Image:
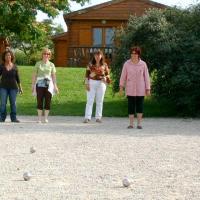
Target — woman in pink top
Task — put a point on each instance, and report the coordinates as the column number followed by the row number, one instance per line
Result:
column 135, row 79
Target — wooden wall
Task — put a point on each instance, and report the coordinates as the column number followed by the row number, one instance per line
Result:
column 60, row 53
column 60, row 49
column 80, row 32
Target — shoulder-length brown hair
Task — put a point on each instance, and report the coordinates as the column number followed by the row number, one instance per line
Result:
column 4, row 55
column 97, row 52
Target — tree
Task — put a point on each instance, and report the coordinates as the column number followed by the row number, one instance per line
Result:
column 18, row 23
column 19, row 16
column 31, row 47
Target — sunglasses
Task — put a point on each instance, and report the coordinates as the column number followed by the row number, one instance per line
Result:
column 48, row 54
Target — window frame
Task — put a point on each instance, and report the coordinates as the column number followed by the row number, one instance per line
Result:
column 103, row 35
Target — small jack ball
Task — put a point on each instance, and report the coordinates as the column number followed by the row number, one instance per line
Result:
column 27, row 176
column 126, row 182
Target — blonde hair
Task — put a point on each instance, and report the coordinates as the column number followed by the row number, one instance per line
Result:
column 46, row 50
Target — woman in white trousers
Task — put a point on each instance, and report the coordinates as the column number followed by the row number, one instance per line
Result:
column 97, row 76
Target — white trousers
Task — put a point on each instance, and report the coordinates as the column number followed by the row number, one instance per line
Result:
column 97, row 90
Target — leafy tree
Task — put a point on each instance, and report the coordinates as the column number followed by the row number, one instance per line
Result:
column 31, row 47
column 170, row 42
column 19, row 16
column 18, row 23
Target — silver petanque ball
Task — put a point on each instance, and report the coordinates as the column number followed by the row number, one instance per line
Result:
column 32, row 150
column 27, row 176
column 126, row 182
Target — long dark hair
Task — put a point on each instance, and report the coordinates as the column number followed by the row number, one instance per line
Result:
column 97, row 52
column 4, row 55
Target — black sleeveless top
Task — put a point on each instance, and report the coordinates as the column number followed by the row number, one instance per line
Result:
column 9, row 79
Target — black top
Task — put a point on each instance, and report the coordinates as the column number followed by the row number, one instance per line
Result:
column 9, row 79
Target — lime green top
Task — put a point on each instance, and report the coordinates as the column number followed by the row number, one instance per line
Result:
column 45, row 70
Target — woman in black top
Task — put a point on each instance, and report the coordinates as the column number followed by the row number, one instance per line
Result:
column 9, row 86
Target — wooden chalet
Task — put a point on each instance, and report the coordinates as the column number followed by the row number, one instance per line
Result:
column 93, row 27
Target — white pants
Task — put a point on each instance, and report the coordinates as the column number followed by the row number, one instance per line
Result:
column 97, row 89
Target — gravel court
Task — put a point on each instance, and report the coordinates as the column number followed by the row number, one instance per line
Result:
column 79, row 161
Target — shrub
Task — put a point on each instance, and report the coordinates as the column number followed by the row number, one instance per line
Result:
column 170, row 43
column 21, row 58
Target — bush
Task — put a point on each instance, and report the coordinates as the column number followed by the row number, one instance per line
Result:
column 21, row 58
column 170, row 43
column 35, row 57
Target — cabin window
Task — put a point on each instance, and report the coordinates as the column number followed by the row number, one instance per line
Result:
column 97, row 37
column 109, row 33
column 103, row 37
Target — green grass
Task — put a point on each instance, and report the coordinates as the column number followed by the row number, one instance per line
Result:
column 72, row 97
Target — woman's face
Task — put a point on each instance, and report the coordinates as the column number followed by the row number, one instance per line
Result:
column 46, row 55
column 98, row 57
column 134, row 55
column 8, row 57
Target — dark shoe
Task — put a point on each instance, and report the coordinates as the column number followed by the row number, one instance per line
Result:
column 98, row 120
column 129, row 127
column 139, row 127
column 15, row 121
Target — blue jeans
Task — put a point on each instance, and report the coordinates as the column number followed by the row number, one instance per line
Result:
column 12, row 94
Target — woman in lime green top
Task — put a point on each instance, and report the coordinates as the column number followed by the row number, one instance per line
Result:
column 44, row 84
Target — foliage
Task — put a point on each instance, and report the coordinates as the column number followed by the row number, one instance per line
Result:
column 18, row 24
column 32, row 47
column 19, row 16
column 170, row 42
column 20, row 57
column 72, row 97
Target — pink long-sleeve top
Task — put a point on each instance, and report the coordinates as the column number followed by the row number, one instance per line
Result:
column 135, row 78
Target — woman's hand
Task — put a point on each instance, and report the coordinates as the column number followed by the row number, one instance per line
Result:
column 20, row 90
column 148, row 92
column 56, row 89
column 33, row 88
column 87, row 87
column 121, row 91
column 104, row 79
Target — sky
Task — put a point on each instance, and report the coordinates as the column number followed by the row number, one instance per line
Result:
column 59, row 19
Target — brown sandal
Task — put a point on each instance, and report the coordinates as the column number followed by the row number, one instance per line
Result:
column 139, row 127
column 129, row 127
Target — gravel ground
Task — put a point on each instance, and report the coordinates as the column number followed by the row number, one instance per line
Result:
column 79, row 161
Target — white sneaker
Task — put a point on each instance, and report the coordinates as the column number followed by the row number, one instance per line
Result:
column 39, row 121
column 86, row 120
column 46, row 121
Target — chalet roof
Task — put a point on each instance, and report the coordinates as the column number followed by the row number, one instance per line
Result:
column 80, row 13
column 61, row 36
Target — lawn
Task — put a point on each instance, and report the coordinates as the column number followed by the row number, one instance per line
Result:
column 72, row 97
